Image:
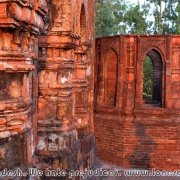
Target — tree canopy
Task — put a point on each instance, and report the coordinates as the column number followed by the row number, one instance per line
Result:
column 122, row 17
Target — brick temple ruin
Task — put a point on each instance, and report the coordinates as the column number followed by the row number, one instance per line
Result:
column 46, row 84
column 129, row 131
column 48, row 104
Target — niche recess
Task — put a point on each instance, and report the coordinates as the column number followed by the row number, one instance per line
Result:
column 83, row 24
column 10, row 85
column 111, row 78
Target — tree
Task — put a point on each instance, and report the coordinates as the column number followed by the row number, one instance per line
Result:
column 165, row 14
column 136, row 20
column 177, row 24
column 121, row 17
column 148, row 78
column 109, row 15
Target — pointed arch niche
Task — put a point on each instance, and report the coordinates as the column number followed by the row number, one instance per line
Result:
column 83, row 24
column 111, row 78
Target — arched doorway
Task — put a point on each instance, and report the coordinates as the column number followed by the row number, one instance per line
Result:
column 153, row 78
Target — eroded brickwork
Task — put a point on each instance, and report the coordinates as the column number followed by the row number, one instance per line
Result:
column 20, row 22
column 65, row 131
column 46, row 83
column 130, row 132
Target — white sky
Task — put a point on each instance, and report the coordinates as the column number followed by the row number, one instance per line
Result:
column 136, row 1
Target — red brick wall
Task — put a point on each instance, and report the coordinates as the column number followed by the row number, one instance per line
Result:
column 134, row 134
column 151, row 141
column 109, row 137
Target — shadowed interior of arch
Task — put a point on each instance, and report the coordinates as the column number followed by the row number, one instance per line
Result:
column 83, row 24
column 152, row 78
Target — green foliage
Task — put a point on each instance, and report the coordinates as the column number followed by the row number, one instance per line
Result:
column 135, row 19
column 177, row 24
column 148, row 78
column 153, row 17
column 109, row 14
column 166, row 14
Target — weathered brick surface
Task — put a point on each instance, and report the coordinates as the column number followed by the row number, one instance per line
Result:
column 110, row 146
column 129, row 132
column 20, row 22
column 65, row 109
column 46, row 80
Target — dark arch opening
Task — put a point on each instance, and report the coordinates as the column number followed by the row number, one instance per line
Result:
column 83, row 24
column 152, row 78
column 111, row 79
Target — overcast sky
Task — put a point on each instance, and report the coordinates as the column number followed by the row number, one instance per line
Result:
column 136, row 1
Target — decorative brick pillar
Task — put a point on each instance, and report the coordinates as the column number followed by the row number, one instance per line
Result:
column 20, row 22
column 84, row 83
column 63, row 89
